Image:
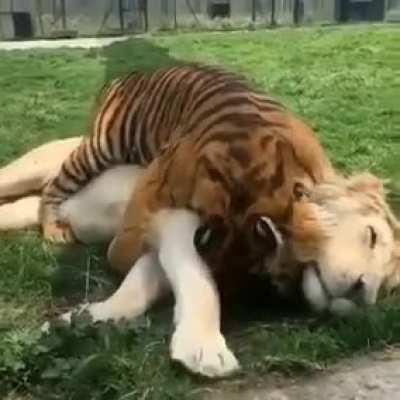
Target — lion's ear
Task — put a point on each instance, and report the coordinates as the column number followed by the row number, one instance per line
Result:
column 366, row 183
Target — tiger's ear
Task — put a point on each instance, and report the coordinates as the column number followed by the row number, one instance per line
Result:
column 366, row 183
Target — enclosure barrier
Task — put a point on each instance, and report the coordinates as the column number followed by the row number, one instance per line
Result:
column 24, row 19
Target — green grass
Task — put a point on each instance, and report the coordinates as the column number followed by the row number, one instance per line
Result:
column 343, row 80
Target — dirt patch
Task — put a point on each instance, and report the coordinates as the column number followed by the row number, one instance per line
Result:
column 85, row 43
column 368, row 378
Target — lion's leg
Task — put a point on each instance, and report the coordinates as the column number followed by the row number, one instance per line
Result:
column 144, row 284
column 95, row 212
column 31, row 172
column 20, row 214
column 131, row 239
column 197, row 341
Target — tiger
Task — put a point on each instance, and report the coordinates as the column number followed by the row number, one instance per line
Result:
column 216, row 152
column 207, row 112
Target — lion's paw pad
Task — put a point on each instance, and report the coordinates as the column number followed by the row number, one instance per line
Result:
column 207, row 355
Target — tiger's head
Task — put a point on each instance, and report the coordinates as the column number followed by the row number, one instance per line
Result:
column 240, row 189
column 342, row 246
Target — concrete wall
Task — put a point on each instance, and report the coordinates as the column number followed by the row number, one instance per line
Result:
column 160, row 14
column 87, row 17
column 322, row 11
column 241, row 8
column 393, row 10
column 263, row 11
column 284, row 12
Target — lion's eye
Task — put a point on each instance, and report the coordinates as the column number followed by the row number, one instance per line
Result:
column 373, row 236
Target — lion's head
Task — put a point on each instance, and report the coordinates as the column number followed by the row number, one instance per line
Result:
column 343, row 245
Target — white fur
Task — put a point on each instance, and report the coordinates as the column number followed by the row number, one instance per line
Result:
column 342, row 307
column 197, row 341
column 313, row 290
column 319, row 299
column 20, row 214
column 346, row 258
column 35, row 168
column 143, row 285
column 95, row 212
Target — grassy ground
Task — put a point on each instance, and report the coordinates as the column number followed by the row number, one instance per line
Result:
column 341, row 79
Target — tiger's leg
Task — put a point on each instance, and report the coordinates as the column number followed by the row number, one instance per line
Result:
column 33, row 170
column 20, row 214
column 142, row 286
column 167, row 183
column 197, row 341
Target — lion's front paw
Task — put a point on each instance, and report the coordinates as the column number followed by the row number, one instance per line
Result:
column 58, row 232
column 206, row 354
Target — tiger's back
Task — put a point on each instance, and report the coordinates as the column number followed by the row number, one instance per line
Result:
column 143, row 114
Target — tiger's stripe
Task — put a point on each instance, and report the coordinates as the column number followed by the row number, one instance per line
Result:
column 140, row 114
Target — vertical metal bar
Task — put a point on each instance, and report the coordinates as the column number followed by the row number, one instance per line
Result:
column 253, row 10
column 273, row 8
column 121, row 15
column 39, row 12
column 63, row 15
column 146, row 15
column 175, row 17
column 193, row 12
column 296, row 12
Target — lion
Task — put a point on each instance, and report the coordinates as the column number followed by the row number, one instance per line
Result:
column 341, row 245
column 322, row 225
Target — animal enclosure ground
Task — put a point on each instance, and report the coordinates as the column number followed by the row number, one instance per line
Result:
column 343, row 80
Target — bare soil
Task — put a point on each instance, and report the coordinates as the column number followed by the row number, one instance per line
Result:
column 373, row 377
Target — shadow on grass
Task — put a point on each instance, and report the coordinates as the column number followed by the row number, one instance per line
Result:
column 135, row 54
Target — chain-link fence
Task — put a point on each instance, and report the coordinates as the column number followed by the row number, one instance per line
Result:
column 70, row 18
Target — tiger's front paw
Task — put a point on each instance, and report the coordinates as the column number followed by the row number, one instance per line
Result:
column 203, row 353
column 59, row 233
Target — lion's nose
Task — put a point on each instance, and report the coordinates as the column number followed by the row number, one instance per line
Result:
column 359, row 285
column 358, row 290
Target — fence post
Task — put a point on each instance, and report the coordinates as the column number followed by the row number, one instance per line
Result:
column 146, row 16
column 121, row 15
column 296, row 12
column 175, row 17
column 253, row 10
column 63, row 15
column 273, row 8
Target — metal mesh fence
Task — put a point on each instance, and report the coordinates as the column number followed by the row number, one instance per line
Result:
column 393, row 10
column 69, row 18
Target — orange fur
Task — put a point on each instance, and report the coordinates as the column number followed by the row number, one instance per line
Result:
column 184, row 177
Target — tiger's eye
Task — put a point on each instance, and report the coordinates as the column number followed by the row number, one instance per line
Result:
column 300, row 191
